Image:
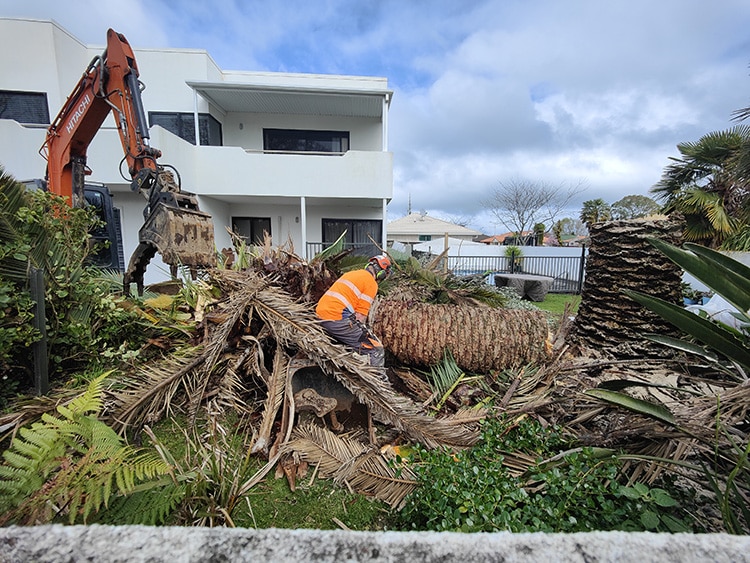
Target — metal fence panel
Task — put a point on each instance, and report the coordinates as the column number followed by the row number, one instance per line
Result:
column 566, row 271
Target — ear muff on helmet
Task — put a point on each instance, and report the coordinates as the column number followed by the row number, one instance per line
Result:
column 381, row 275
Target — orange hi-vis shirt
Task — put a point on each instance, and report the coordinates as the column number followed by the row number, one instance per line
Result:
column 354, row 290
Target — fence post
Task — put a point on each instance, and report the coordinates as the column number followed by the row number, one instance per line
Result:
column 39, row 348
column 581, row 269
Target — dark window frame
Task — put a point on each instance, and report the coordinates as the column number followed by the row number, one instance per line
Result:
column 183, row 125
column 253, row 234
column 306, row 140
column 357, row 231
column 24, row 107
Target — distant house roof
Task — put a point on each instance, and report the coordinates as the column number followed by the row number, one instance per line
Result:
column 500, row 239
column 572, row 240
column 415, row 225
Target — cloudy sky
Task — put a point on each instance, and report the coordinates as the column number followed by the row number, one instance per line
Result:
column 566, row 92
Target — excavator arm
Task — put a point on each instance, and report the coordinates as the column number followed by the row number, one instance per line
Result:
column 174, row 225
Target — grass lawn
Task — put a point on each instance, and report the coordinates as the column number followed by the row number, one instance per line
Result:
column 554, row 303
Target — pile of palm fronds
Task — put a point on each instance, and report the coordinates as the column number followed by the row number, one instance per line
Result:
column 251, row 337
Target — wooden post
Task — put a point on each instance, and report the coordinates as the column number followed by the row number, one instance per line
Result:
column 445, row 260
column 39, row 348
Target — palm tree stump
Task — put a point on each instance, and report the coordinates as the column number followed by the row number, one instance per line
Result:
column 620, row 257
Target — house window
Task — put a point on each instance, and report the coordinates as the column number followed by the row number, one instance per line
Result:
column 425, row 238
column 252, row 229
column 183, row 125
column 24, row 107
column 299, row 140
column 358, row 234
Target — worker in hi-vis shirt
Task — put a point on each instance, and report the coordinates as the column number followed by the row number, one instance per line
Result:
column 343, row 308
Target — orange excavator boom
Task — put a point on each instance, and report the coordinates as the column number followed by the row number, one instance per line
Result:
column 174, row 225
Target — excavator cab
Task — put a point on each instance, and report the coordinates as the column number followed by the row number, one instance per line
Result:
column 105, row 239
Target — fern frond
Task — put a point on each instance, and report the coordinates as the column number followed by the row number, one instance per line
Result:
column 70, row 463
column 147, row 507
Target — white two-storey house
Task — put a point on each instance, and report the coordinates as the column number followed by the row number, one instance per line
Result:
column 303, row 157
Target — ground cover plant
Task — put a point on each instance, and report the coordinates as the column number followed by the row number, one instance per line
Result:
column 487, row 489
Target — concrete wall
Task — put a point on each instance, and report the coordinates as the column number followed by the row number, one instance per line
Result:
column 133, row 544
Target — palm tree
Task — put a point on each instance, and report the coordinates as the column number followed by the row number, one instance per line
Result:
column 704, row 186
column 594, row 211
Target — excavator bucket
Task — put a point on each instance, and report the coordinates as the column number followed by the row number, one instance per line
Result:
column 180, row 232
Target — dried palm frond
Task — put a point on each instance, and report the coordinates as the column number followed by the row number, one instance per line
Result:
column 33, row 408
column 347, row 460
column 276, row 386
column 147, row 396
column 236, row 306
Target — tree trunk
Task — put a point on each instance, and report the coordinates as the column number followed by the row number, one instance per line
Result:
column 620, row 258
column 481, row 339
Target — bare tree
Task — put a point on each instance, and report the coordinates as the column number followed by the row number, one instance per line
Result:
column 520, row 204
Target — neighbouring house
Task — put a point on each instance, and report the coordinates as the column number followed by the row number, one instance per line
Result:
column 573, row 240
column 527, row 238
column 416, row 228
column 303, row 157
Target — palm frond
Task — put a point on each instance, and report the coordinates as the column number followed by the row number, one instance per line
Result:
column 276, row 386
column 346, row 460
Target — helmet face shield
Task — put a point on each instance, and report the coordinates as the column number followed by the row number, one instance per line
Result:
column 382, row 265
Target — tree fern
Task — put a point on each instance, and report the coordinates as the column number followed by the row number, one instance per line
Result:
column 70, row 464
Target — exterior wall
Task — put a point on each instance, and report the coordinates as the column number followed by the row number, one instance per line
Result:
column 234, row 180
column 164, row 73
column 45, row 59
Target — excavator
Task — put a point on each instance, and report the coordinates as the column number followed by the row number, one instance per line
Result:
column 174, row 226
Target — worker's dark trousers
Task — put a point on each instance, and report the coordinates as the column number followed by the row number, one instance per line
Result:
column 363, row 342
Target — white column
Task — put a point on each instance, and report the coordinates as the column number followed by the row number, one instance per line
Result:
column 385, row 223
column 303, row 225
column 385, row 123
column 195, row 118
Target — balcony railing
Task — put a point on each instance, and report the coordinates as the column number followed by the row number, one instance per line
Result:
column 357, row 249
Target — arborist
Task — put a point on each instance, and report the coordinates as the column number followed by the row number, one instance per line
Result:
column 344, row 307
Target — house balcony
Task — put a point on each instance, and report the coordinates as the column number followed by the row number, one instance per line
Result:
column 233, row 171
column 223, row 173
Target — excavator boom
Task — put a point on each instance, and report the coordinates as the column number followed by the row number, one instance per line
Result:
column 174, row 225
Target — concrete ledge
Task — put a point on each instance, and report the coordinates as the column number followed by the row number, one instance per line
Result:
column 58, row 544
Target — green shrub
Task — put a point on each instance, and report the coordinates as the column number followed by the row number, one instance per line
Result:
column 83, row 317
column 474, row 491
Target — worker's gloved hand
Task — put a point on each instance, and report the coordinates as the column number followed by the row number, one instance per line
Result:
column 366, row 334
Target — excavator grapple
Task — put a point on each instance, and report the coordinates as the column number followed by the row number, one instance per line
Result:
column 180, row 232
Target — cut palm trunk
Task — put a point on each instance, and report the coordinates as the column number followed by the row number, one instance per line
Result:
column 481, row 339
column 621, row 258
